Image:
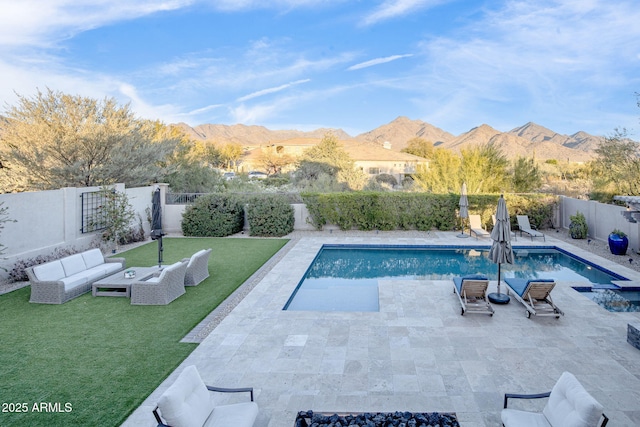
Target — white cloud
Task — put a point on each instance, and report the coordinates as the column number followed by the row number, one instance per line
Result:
column 271, row 90
column 394, row 8
column 377, row 61
column 44, row 22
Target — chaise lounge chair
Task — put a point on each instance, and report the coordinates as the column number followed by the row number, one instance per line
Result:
column 187, row 402
column 569, row 404
column 475, row 227
column 526, row 227
column 472, row 293
column 534, row 295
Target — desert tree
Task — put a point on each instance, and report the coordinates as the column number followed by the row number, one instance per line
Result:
column 616, row 168
column 60, row 140
column 272, row 161
column 419, row 147
column 329, row 159
column 526, row 175
column 442, row 175
column 484, row 169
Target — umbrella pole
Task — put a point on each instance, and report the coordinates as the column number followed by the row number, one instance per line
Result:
column 497, row 297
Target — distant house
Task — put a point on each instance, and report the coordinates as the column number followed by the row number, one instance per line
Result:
column 371, row 159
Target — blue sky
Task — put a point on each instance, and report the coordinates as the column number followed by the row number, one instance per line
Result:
column 568, row 65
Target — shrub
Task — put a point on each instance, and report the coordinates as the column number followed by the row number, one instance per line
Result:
column 18, row 274
column 419, row 211
column 270, row 216
column 213, row 215
column 578, row 228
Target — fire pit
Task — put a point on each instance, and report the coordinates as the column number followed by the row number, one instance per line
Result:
column 376, row 419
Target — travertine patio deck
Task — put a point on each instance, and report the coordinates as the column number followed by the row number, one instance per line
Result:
column 417, row 353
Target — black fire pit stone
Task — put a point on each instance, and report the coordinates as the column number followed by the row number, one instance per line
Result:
column 376, row 419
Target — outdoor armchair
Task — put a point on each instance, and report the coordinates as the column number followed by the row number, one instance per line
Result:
column 187, row 402
column 197, row 267
column 162, row 288
column 569, row 405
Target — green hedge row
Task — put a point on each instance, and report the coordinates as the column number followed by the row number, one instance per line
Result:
column 219, row 215
column 419, row 211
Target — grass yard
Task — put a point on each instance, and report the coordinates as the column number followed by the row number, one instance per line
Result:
column 93, row 360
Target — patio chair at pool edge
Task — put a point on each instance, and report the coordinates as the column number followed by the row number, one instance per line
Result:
column 569, row 404
column 472, row 293
column 197, row 267
column 188, row 402
column 535, row 295
column 160, row 289
column 526, row 227
column 475, row 227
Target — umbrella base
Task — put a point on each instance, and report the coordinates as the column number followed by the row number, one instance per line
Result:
column 499, row 298
column 462, row 235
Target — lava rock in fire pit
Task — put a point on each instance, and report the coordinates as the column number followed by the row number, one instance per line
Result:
column 379, row 419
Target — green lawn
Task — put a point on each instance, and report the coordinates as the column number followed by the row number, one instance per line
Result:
column 92, row 361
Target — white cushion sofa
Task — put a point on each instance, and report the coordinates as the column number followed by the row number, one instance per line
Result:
column 58, row 281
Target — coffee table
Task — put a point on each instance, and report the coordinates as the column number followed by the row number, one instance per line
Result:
column 117, row 285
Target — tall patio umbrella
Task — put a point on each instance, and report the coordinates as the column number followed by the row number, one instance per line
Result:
column 464, row 207
column 501, row 251
column 156, row 223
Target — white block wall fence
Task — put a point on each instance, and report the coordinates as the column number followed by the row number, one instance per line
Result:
column 47, row 220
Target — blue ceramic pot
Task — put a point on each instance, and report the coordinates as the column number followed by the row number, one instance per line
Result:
column 618, row 245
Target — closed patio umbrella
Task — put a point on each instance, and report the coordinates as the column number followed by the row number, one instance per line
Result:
column 156, row 223
column 464, row 207
column 501, row 251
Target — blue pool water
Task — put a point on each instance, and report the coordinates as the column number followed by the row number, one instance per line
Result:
column 345, row 277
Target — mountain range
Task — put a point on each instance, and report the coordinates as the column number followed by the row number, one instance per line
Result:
column 524, row 141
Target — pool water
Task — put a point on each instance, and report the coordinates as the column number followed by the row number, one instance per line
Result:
column 616, row 300
column 345, row 277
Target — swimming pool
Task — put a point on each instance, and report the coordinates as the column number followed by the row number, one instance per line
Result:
column 345, row 277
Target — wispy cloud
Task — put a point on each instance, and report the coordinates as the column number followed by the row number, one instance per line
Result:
column 236, row 5
column 271, row 90
column 45, row 22
column 377, row 61
column 394, row 8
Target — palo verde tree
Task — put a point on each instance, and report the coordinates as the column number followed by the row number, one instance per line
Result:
column 617, row 167
column 526, row 175
column 56, row 140
column 329, row 158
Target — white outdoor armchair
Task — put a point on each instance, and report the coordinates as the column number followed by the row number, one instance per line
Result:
column 569, row 405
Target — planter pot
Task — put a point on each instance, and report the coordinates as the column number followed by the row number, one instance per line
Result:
column 618, row 245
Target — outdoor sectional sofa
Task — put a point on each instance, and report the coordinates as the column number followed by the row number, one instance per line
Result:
column 58, row 281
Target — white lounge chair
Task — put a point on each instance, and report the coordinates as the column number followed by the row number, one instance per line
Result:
column 526, row 227
column 475, row 227
column 534, row 295
column 187, row 402
column 472, row 293
column 569, row 404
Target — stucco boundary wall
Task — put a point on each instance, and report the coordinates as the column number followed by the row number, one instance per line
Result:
column 47, row 220
column 602, row 219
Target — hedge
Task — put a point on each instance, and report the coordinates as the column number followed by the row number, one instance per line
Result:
column 269, row 216
column 419, row 211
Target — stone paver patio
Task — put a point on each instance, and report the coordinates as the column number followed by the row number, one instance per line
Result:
column 417, row 353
